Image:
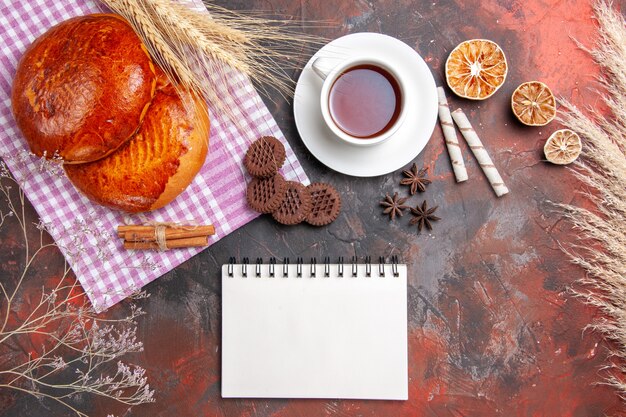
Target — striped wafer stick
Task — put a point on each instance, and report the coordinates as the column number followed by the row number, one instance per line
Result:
column 491, row 172
column 449, row 134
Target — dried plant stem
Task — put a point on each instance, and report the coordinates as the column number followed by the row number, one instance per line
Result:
column 76, row 345
column 207, row 51
column 601, row 247
column 218, row 42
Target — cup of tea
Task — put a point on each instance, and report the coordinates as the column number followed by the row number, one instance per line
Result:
column 362, row 99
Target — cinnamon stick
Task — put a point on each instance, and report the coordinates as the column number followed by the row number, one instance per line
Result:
column 122, row 229
column 149, row 235
column 189, row 242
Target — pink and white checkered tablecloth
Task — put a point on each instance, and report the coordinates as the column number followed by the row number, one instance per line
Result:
column 85, row 232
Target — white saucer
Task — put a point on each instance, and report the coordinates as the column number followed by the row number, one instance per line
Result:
column 404, row 145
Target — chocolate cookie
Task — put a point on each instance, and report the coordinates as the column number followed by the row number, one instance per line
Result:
column 325, row 204
column 296, row 204
column 264, row 157
column 266, row 194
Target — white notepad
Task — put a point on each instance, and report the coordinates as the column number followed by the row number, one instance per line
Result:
column 314, row 337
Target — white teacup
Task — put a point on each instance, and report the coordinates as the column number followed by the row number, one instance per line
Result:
column 329, row 76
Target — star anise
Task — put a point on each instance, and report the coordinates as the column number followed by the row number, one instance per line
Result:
column 423, row 216
column 416, row 179
column 394, row 205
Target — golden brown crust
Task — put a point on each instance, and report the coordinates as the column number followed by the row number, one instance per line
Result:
column 157, row 164
column 82, row 88
column 197, row 119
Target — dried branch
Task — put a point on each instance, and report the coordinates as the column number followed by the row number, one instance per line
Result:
column 601, row 247
column 210, row 51
column 74, row 344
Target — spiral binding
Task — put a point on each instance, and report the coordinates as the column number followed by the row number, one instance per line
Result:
column 313, row 272
column 272, row 265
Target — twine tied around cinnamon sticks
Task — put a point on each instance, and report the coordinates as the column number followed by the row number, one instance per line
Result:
column 164, row 236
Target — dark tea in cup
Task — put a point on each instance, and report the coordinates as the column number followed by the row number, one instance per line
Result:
column 365, row 101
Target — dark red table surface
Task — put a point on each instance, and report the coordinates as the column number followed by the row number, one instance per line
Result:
column 492, row 328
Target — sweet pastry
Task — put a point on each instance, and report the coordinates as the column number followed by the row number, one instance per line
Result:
column 325, row 204
column 265, row 157
column 266, row 194
column 296, row 205
column 157, row 164
column 82, row 89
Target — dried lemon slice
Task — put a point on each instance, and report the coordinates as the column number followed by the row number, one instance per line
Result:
column 533, row 103
column 563, row 147
column 476, row 69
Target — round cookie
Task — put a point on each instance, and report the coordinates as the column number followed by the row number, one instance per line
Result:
column 325, row 204
column 266, row 194
column 296, row 205
column 265, row 157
